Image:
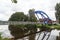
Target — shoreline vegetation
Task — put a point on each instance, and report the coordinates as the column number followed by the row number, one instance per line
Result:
column 39, row 26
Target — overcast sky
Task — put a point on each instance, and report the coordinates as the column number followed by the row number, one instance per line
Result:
column 7, row 7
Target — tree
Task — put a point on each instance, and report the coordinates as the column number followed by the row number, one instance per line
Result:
column 17, row 30
column 32, row 18
column 18, row 16
column 57, row 8
column 14, row 1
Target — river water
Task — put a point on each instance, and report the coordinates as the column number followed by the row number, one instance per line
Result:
column 6, row 33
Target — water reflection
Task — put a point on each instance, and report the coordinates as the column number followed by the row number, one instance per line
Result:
column 6, row 33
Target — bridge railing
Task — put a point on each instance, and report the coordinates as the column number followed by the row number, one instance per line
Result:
column 18, row 22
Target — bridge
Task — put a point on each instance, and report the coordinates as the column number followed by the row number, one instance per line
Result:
column 18, row 22
column 43, row 15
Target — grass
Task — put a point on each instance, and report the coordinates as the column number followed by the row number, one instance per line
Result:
column 4, row 38
column 54, row 27
column 50, row 26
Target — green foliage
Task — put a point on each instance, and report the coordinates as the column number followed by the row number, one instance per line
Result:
column 32, row 17
column 33, row 28
column 57, row 8
column 2, row 38
column 18, row 16
column 6, row 39
column 14, row 1
column 20, row 30
column 55, row 27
